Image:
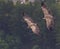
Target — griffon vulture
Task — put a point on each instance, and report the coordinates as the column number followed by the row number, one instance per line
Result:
column 47, row 16
column 31, row 24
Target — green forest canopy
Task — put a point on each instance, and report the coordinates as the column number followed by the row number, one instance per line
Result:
column 14, row 33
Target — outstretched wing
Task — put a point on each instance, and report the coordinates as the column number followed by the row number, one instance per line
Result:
column 47, row 16
column 31, row 24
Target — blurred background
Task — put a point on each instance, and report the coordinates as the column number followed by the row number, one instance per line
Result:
column 14, row 33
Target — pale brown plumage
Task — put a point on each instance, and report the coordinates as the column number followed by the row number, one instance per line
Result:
column 31, row 24
column 48, row 17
